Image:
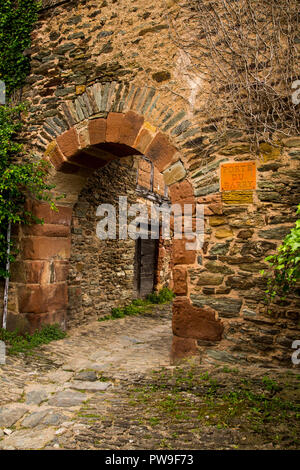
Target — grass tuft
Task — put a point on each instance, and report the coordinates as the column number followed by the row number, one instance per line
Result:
column 23, row 343
column 140, row 306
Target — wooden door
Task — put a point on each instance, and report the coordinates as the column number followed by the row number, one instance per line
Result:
column 145, row 266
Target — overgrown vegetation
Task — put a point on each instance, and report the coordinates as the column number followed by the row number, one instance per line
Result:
column 140, row 306
column 20, row 178
column 17, row 18
column 17, row 182
column 262, row 408
column 284, row 272
column 24, row 343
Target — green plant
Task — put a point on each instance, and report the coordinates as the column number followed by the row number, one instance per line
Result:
column 140, row 306
column 24, row 343
column 270, row 384
column 163, row 296
column 18, row 181
column 284, row 265
column 20, row 177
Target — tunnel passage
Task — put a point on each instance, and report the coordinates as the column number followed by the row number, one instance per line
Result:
column 46, row 251
column 104, row 274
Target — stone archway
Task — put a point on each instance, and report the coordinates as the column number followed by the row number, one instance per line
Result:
column 73, row 154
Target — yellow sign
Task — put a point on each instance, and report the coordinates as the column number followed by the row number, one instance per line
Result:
column 238, row 176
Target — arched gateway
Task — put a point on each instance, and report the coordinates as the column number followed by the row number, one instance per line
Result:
column 89, row 133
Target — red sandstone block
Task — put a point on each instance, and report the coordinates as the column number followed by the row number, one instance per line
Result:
column 43, row 211
column 37, row 272
column 114, row 124
column 189, row 201
column 195, row 322
column 180, row 280
column 97, row 131
column 161, row 152
column 216, row 208
column 68, row 142
column 180, row 191
column 183, row 348
column 37, row 320
column 60, row 270
column 45, row 248
column 131, row 126
column 43, row 298
column 143, row 141
column 180, row 255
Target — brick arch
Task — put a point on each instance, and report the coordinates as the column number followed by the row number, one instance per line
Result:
column 73, row 154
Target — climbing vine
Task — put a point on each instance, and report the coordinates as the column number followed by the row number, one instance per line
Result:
column 17, row 180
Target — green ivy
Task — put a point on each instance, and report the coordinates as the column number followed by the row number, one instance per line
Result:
column 17, row 18
column 20, row 177
column 284, row 273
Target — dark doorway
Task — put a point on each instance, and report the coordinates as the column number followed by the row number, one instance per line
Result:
column 146, row 252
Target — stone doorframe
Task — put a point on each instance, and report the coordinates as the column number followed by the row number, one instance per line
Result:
column 92, row 139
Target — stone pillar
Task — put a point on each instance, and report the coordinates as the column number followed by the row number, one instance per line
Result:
column 45, row 253
column 190, row 323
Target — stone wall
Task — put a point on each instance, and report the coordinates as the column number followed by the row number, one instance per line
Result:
column 101, row 272
column 239, row 235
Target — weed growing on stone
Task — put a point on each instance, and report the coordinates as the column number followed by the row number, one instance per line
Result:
column 24, row 343
column 221, row 399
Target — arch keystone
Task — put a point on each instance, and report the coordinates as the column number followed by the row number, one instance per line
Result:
column 132, row 124
column 97, row 131
column 113, row 126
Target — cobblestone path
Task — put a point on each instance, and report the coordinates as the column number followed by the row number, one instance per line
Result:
column 109, row 385
column 41, row 395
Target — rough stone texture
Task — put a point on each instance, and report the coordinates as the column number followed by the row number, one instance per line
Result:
column 101, row 274
column 28, row 439
column 175, row 173
column 193, row 322
column 35, row 397
column 138, row 364
column 67, row 399
column 9, row 416
column 183, row 348
column 90, row 386
column 86, row 375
